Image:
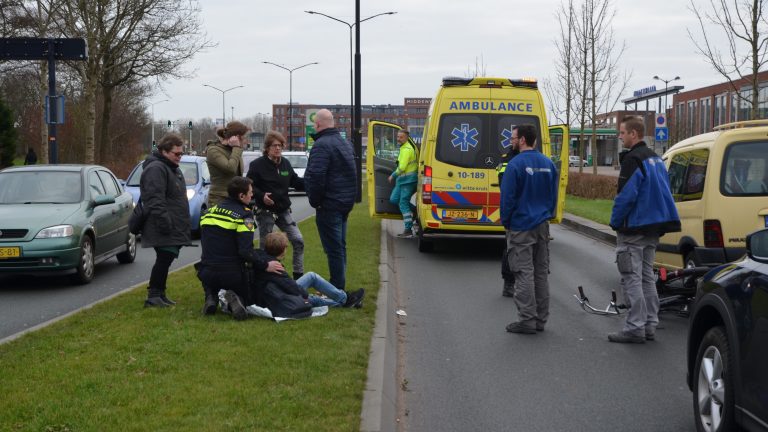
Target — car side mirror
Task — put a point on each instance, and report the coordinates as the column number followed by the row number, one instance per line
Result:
column 103, row 199
column 757, row 246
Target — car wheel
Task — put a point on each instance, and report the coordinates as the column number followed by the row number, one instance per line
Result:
column 85, row 267
column 713, row 383
column 129, row 255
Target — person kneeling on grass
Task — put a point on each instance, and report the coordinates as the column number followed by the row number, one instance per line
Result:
column 228, row 260
column 277, row 287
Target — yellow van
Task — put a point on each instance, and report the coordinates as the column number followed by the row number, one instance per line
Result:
column 719, row 181
column 468, row 128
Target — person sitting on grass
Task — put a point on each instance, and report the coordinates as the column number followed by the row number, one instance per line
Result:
column 276, row 285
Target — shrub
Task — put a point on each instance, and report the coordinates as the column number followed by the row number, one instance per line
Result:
column 592, row 186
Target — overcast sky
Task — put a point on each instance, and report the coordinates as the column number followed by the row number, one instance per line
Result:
column 407, row 54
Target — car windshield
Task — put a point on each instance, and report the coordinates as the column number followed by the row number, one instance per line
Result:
column 297, row 161
column 189, row 169
column 33, row 187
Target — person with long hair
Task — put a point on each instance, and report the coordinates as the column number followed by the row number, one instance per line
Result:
column 225, row 159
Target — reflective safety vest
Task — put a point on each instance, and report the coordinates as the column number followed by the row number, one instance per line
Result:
column 407, row 160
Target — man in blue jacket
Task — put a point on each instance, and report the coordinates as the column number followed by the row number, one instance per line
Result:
column 643, row 210
column 331, row 184
column 528, row 200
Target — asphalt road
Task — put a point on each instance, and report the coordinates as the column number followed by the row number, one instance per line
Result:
column 27, row 301
column 463, row 372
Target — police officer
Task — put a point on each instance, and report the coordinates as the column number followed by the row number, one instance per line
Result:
column 228, row 255
column 508, row 289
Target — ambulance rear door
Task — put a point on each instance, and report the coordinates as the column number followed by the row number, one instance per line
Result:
column 381, row 161
column 559, row 146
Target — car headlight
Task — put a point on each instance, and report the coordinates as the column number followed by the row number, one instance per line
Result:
column 190, row 194
column 58, row 231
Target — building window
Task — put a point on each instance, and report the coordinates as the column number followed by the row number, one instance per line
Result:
column 734, row 108
column 720, row 109
column 744, row 108
column 704, row 115
column 762, row 101
column 691, row 119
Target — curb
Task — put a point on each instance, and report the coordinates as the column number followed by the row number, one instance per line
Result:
column 590, row 228
column 379, row 410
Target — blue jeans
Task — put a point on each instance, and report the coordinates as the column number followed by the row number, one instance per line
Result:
column 334, row 296
column 332, row 227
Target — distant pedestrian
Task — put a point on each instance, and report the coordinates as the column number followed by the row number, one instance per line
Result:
column 31, row 158
column 405, row 178
column 167, row 229
column 528, row 200
column 272, row 176
column 225, row 159
column 331, row 183
column 643, row 210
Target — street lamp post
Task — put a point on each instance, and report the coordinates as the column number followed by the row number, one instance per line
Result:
column 223, row 104
column 666, row 82
column 290, row 97
column 153, row 121
column 351, row 62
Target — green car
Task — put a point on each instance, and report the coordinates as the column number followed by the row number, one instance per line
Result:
column 63, row 219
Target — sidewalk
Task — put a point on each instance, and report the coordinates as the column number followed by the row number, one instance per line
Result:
column 379, row 412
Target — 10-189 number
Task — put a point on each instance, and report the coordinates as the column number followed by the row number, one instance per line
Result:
column 472, row 175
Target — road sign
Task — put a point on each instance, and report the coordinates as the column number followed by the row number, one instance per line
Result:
column 661, row 120
column 662, row 133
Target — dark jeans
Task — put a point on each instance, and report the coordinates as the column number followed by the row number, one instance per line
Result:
column 226, row 278
column 332, row 227
column 159, row 275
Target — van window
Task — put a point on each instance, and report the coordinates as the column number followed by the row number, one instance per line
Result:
column 385, row 142
column 478, row 140
column 745, row 170
column 687, row 172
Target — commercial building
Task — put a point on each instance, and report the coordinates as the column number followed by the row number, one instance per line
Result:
column 411, row 116
column 699, row 110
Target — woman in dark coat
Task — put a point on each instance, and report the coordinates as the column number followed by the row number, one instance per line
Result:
column 167, row 229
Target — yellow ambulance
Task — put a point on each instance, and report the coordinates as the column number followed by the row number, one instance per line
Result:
column 468, row 127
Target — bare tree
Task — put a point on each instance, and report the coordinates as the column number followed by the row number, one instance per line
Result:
column 601, row 82
column 559, row 90
column 128, row 41
column 745, row 28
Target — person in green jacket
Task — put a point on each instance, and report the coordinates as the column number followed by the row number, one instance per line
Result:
column 225, row 159
column 406, row 176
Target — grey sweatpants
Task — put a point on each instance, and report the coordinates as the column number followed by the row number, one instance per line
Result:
column 266, row 222
column 634, row 259
column 529, row 261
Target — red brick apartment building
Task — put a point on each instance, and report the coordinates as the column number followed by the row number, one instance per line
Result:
column 411, row 115
column 697, row 111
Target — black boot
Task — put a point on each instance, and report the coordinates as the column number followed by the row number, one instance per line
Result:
column 211, row 303
column 297, row 275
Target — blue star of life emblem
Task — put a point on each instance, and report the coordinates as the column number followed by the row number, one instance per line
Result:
column 464, row 137
column 507, row 135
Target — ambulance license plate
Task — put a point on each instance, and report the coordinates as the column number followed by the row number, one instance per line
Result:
column 460, row 214
column 10, row 252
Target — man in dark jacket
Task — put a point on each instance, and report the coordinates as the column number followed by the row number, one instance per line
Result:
column 272, row 176
column 164, row 195
column 643, row 210
column 331, row 184
column 228, row 257
column 31, row 158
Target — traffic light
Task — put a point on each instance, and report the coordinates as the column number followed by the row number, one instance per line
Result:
column 190, row 124
column 169, row 124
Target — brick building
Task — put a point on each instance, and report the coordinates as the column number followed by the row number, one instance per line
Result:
column 699, row 110
column 411, row 115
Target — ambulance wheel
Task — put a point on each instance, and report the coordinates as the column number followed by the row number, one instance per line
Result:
column 425, row 245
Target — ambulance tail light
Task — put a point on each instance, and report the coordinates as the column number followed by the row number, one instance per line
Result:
column 426, row 185
column 713, row 234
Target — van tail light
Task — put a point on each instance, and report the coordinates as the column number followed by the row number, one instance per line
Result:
column 713, row 234
column 426, row 185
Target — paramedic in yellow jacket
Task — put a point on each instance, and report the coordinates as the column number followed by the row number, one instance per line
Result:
column 405, row 176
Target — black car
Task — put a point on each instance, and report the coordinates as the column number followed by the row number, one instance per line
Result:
column 728, row 343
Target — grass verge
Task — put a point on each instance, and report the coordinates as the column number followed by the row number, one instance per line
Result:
column 120, row 367
column 598, row 210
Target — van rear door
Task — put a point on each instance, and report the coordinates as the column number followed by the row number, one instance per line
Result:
column 381, row 160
